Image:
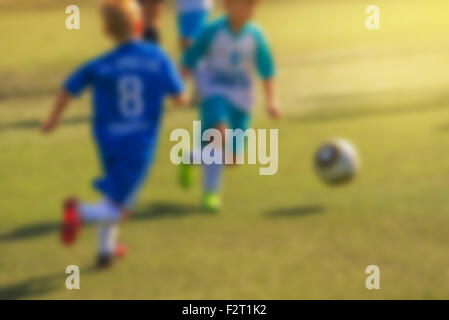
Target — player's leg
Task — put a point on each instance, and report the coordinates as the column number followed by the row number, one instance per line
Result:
column 239, row 120
column 151, row 34
column 211, row 113
column 77, row 213
column 152, row 12
column 185, row 39
column 185, row 169
column 189, row 25
column 124, row 171
column 72, row 219
column 130, row 171
column 214, row 114
column 109, row 248
column 107, row 241
column 228, row 116
column 213, row 174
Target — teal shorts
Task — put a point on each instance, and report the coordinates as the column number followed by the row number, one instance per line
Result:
column 217, row 110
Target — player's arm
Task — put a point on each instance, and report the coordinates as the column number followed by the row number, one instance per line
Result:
column 62, row 101
column 269, row 89
column 73, row 86
column 180, row 100
column 196, row 51
column 174, row 84
column 266, row 68
column 185, row 72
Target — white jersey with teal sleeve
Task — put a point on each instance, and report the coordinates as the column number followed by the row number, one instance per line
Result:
column 185, row 6
column 225, row 62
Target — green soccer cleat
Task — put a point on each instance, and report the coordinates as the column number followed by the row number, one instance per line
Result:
column 211, row 202
column 186, row 175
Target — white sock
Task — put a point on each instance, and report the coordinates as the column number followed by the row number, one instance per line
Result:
column 107, row 236
column 212, row 177
column 195, row 155
column 101, row 211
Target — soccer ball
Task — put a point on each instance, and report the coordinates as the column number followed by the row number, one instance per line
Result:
column 337, row 162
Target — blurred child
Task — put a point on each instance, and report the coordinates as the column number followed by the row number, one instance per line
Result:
column 192, row 17
column 152, row 11
column 129, row 84
column 230, row 49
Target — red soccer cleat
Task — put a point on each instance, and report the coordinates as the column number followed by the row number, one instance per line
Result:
column 120, row 250
column 71, row 224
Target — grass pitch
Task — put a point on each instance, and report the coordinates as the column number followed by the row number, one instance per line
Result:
column 281, row 237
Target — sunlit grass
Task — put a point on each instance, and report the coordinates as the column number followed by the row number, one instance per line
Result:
column 287, row 236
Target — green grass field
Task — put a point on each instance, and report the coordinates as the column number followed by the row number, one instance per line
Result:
column 282, row 237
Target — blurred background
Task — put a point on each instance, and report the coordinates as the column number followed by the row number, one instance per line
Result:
column 288, row 236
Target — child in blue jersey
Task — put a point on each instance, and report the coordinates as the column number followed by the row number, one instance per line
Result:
column 192, row 17
column 230, row 50
column 129, row 84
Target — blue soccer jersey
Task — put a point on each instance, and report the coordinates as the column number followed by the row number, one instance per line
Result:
column 129, row 85
column 128, row 88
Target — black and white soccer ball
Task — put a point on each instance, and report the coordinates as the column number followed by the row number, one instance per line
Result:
column 337, row 162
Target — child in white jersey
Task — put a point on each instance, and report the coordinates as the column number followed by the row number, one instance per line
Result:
column 230, row 50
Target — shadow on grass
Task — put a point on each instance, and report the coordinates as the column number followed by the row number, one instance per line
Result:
column 35, row 124
column 153, row 211
column 352, row 115
column 38, row 285
column 300, row 211
column 30, row 231
column 359, row 106
column 443, row 128
column 165, row 210
column 30, row 287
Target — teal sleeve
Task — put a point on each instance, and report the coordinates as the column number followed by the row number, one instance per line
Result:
column 264, row 58
column 199, row 47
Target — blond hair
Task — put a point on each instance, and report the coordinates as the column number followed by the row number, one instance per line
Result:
column 120, row 17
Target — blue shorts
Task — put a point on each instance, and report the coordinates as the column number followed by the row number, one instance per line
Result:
column 218, row 110
column 191, row 23
column 125, row 162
